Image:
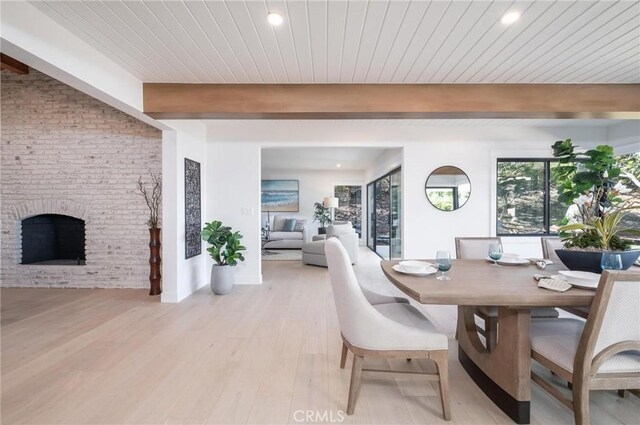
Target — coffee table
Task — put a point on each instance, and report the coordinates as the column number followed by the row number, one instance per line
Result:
column 263, row 242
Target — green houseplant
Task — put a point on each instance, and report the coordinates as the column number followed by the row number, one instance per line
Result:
column 587, row 184
column 322, row 215
column 226, row 251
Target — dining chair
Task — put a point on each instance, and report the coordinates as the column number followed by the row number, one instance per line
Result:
column 475, row 248
column 376, row 298
column 392, row 330
column 601, row 353
column 549, row 246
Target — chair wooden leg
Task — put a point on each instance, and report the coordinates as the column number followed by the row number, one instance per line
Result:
column 343, row 358
column 356, row 371
column 442, row 363
column 581, row 402
column 491, row 332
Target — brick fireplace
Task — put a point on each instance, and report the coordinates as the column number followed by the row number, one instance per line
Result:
column 66, row 154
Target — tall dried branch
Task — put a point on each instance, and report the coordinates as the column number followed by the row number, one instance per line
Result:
column 152, row 199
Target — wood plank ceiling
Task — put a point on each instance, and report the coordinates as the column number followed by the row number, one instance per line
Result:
column 377, row 41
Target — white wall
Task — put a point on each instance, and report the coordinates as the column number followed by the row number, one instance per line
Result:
column 233, row 197
column 235, row 148
column 388, row 161
column 625, row 136
column 314, row 185
column 181, row 276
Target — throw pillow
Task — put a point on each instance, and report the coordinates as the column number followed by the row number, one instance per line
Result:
column 300, row 225
column 289, row 225
column 278, row 223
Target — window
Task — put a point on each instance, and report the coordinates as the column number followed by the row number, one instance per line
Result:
column 525, row 188
column 350, row 209
column 630, row 166
column 527, row 195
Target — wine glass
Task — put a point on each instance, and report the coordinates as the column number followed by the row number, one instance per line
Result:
column 443, row 261
column 495, row 252
column 611, row 261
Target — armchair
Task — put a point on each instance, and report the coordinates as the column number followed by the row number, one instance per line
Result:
column 313, row 252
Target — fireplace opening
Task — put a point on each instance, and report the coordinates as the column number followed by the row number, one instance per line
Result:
column 53, row 239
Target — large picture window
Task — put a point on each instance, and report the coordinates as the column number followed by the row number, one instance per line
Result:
column 350, row 201
column 527, row 195
column 523, row 194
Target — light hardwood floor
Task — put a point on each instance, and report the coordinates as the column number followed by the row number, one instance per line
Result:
column 261, row 354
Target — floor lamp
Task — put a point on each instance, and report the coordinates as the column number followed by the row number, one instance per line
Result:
column 332, row 204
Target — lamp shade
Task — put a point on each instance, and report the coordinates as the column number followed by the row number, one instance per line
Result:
column 330, row 202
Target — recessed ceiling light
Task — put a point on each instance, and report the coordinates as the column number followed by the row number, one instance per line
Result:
column 510, row 18
column 274, row 18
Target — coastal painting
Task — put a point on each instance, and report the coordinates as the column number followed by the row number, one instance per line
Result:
column 280, row 195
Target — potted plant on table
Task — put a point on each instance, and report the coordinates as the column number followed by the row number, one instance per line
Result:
column 323, row 216
column 593, row 223
column 226, row 251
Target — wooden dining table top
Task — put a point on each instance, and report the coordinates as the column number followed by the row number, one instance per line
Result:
column 479, row 282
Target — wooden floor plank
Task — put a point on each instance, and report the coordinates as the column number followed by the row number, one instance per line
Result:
column 261, row 355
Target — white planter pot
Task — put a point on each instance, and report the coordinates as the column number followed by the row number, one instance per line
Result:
column 222, row 279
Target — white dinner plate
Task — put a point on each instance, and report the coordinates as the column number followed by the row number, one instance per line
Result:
column 427, row 271
column 585, row 280
column 415, row 263
column 511, row 261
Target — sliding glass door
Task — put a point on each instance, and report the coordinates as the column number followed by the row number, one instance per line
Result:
column 370, row 217
column 384, row 214
column 395, row 193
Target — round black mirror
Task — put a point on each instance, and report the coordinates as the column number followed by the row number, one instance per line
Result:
column 448, row 188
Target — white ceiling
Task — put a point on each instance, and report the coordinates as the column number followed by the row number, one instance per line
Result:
column 315, row 158
column 362, row 41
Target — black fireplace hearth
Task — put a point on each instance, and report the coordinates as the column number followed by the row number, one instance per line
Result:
column 53, row 239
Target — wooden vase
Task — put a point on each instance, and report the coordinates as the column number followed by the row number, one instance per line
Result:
column 154, row 261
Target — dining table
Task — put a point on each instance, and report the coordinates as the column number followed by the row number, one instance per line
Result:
column 504, row 372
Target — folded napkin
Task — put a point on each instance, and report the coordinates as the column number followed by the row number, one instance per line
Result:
column 553, row 283
column 546, row 261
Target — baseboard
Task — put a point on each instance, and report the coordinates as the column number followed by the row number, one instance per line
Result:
column 169, row 297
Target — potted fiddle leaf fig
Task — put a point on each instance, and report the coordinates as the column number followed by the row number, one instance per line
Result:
column 588, row 183
column 226, row 251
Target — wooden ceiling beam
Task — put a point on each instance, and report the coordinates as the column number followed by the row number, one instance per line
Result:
column 351, row 101
column 11, row 64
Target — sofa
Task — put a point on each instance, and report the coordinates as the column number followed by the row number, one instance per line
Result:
column 284, row 236
column 313, row 252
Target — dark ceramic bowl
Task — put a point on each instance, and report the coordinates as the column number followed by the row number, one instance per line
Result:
column 589, row 261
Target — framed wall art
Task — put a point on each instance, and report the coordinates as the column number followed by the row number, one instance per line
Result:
column 192, row 208
column 280, row 196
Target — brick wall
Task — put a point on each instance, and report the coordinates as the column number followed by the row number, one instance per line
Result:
column 64, row 152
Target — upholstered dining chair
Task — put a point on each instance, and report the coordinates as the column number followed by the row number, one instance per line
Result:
column 601, row 353
column 549, row 246
column 392, row 330
column 376, row 298
column 475, row 248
